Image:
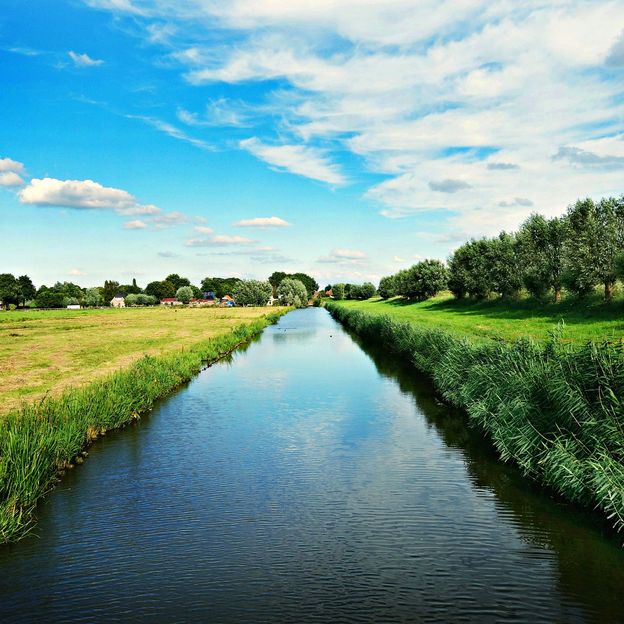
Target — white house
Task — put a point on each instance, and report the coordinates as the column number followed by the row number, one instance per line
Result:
column 118, row 301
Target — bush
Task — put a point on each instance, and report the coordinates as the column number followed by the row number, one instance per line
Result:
column 184, row 294
column 423, row 280
column 252, row 293
column 292, row 292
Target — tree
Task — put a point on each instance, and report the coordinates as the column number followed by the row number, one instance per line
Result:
column 387, row 287
column 132, row 299
column 469, row 271
column 338, row 291
column 184, row 294
column 130, row 289
column 423, row 280
column 275, row 279
column 9, row 289
column 111, row 288
column 220, row 286
column 92, row 298
column 610, row 241
column 367, row 290
column 581, row 248
column 27, row 289
column 540, row 253
column 504, row 269
column 177, row 281
column 48, row 298
column 292, row 292
column 311, row 285
column 252, row 292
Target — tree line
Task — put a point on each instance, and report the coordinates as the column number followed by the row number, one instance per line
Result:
column 579, row 251
column 290, row 289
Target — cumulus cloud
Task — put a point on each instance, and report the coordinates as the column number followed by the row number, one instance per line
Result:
column 82, row 194
column 299, row 159
column 202, row 229
column 136, row 224
column 262, row 222
column 77, row 273
column 167, row 219
column 10, row 179
column 12, row 166
column 84, row 60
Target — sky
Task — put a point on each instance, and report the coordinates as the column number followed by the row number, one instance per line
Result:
column 344, row 138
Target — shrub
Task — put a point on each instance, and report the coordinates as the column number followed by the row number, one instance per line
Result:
column 292, row 292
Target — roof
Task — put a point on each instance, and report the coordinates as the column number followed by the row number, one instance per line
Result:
column 227, row 298
column 119, row 296
column 169, row 299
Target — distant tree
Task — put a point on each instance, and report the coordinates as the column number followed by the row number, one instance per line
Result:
column 111, row 288
column 581, row 273
column 130, row 289
column 67, row 301
column 252, row 292
column 177, row 281
column 184, row 294
column 220, row 286
column 48, row 298
column 352, row 291
column 27, row 289
column 132, row 299
column 338, row 291
column 423, row 280
column 292, row 292
column 469, row 272
column 9, row 290
column 327, row 288
column 610, row 243
column 367, row 290
column 504, row 271
column 387, row 287
column 146, row 300
column 92, row 298
column 275, row 279
column 311, row 285
column 198, row 293
column 540, row 253
column 154, row 289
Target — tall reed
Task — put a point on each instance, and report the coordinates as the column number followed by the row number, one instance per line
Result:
column 41, row 439
column 554, row 409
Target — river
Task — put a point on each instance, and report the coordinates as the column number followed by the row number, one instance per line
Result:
column 306, row 479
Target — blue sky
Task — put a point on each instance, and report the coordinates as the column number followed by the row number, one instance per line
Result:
column 341, row 138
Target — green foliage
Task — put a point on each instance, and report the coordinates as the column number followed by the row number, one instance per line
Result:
column 176, row 281
column 252, row 293
column 110, row 289
column 421, row 281
column 387, row 287
column 220, row 286
column 311, row 285
column 553, row 409
column 338, row 291
column 39, row 440
column 9, row 289
column 27, row 289
column 92, row 298
column 49, row 298
column 292, row 292
column 184, row 294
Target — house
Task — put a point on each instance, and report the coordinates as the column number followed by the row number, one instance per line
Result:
column 272, row 301
column 200, row 303
column 210, row 296
column 329, row 293
column 170, row 301
column 118, row 301
column 227, row 300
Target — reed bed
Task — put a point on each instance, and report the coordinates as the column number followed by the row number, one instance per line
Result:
column 40, row 440
column 554, row 409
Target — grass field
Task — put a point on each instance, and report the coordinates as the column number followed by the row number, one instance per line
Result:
column 506, row 320
column 44, row 352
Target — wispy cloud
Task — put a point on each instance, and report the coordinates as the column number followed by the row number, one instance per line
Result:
column 306, row 161
column 171, row 130
column 263, row 222
column 136, row 224
column 217, row 113
column 219, row 240
column 84, row 60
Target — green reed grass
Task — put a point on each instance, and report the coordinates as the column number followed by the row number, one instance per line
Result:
column 555, row 409
column 40, row 440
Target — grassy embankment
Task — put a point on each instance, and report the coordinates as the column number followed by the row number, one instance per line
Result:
column 102, row 369
column 554, row 408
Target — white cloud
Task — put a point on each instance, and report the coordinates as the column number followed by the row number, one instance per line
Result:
column 10, row 179
column 202, row 229
column 262, row 222
column 167, row 219
column 219, row 240
column 171, row 130
column 219, row 112
column 77, row 273
column 350, row 254
column 84, row 60
column 299, row 159
column 82, row 194
column 137, row 224
column 13, row 166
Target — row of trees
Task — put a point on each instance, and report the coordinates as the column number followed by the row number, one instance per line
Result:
column 353, row 291
column 578, row 251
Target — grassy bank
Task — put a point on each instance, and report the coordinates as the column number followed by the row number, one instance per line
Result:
column 555, row 409
column 41, row 439
column 506, row 320
column 44, row 352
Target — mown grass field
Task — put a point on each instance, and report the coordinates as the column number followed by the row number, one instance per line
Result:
column 507, row 320
column 44, row 352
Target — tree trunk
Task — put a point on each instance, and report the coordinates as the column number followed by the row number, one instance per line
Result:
column 608, row 291
column 557, row 294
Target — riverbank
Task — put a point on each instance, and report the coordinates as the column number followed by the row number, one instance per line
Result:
column 508, row 320
column 552, row 408
column 42, row 353
column 42, row 439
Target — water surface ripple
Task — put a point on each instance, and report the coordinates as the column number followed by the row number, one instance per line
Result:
column 309, row 479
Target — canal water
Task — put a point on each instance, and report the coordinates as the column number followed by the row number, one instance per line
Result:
column 308, row 479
